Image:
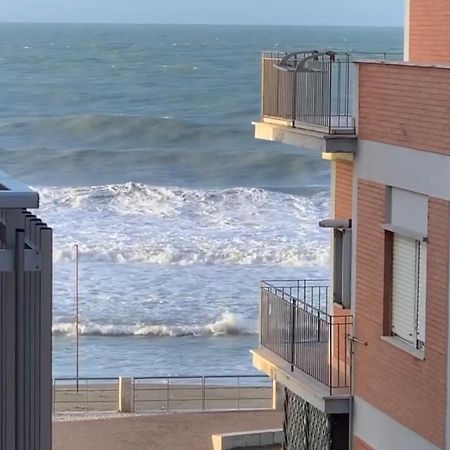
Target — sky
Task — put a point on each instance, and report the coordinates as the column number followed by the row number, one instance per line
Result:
column 254, row 12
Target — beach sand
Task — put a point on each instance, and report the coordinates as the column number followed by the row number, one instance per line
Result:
column 168, row 431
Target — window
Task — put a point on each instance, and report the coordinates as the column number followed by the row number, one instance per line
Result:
column 409, row 290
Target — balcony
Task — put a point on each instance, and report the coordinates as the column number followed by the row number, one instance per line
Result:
column 308, row 99
column 303, row 346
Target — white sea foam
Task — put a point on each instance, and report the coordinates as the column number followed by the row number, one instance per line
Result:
column 227, row 324
column 161, row 225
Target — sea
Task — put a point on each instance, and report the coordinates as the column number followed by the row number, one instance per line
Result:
column 138, row 139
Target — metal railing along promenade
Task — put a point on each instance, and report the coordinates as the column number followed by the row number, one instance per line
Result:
column 296, row 325
column 313, row 89
column 85, row 394
column 171, row 393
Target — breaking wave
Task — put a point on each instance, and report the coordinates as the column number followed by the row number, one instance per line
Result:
column 161, row 225
column 227, row 324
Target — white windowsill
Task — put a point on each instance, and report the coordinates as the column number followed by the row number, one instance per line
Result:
column 396, row 342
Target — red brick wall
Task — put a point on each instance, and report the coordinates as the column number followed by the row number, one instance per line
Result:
column 429, row 22
column 359, row 444
column 343, row 189
column 410, row 390
column 405, row 105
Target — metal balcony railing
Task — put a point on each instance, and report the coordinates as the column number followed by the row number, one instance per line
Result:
column 296, row 326
column 312, row 89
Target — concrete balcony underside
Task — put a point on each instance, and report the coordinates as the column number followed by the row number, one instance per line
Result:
column 311, row 390
column 307, row 136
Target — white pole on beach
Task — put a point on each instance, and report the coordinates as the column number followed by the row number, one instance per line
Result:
column 77, row 316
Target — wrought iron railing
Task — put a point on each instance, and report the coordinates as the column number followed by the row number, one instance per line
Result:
column 312, row 89
column 296, row 326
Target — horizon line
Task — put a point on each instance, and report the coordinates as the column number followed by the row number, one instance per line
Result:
column 7, row 22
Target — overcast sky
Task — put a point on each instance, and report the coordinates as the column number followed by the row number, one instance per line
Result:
column 278, row 12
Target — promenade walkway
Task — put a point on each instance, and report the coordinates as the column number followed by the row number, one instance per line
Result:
column 175, row 431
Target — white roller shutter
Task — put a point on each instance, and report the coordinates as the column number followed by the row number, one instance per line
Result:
column 404, row 288
column 422, row 300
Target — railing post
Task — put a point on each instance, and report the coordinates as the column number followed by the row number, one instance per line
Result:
column 168, row 394
column 263, row 68
column 304, row 291
column 125, row 395
column 350, row 356
column 22, row 320
column 54, row 395
column 330, row 81
column 46, row 339
column 330, row 365
column 134, row 395
column 294, row 98
column 319, row 314
column 294, row 317
column 238, row 394
column 87, row 395
column 203, row 394
column 261, row 314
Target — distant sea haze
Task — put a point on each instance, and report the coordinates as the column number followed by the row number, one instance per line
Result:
column 139, row 141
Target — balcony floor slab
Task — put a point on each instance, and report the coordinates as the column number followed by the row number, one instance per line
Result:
column 313, row 138
column 302, row 384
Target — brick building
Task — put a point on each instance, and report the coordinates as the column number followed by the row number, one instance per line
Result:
column 361, row 362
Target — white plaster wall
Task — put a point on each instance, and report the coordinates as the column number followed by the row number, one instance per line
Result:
column 409, row 210
column 422, row 172
column 382, row 432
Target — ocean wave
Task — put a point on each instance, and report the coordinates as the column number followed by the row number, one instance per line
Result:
column 191, row 165
column 214, row 254
column 161, row 225
column 112, row 129
column 138, row 198
column 227, row 324
column 81, row 148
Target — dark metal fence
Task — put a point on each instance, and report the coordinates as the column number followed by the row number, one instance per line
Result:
column 296, row 326
column 25, row 320
column 312, row 89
